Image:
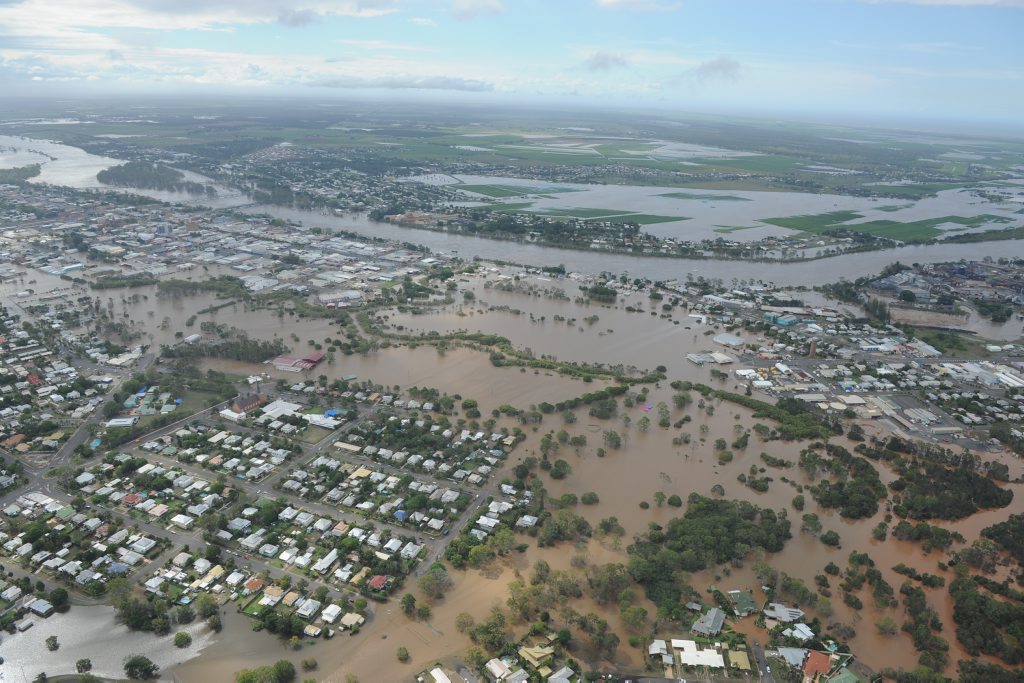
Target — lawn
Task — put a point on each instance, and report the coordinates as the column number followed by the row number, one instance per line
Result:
column 313, row 435
column 192, row 402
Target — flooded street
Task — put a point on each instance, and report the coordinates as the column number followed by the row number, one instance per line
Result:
column 92, row 633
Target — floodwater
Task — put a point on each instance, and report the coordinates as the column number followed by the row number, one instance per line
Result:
column 820, row 271
column 740, row 208
column 62, row 164
column 59, row 164
column 91, row 632
column 76, row 168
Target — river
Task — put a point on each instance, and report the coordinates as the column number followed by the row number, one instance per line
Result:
column 71, row 166
column 809, row 273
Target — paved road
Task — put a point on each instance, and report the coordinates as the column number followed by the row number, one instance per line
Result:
column 762, row 664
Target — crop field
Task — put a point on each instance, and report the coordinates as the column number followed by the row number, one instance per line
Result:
column 498, row 190
column 911, row 231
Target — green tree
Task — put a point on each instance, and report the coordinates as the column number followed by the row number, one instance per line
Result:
column 436, row 582
column 83, row 666
column 182, row 639
column 140, row 667
column 403, row 655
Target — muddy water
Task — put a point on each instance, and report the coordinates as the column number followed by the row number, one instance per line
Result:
column 93, row 633
column 459, row 371
column 649, row 462
column 816, row 272
column 618, row 337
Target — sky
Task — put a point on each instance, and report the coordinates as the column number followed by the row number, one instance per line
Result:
column 932, row 59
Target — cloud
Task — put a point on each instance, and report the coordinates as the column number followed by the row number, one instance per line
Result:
column 297, row 17
column 648, row 5
column 465, row 10
column 720, row 68
column 386, row 45
column 423, row 21
column 407, row 83
column 952, row 3
column 604, row 61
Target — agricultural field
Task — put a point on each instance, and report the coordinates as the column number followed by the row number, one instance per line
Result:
column 911, row 231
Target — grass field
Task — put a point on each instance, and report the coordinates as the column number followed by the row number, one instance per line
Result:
column 192, row 402
column 912, row 231
column 705, row 197
column 496, row 190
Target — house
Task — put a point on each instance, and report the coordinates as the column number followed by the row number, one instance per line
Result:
column 351, row 620
column 308, row 609
column 563, row 675
column 781, row 613
column 182, row 521
column 537, row 656
column 40, row 608
column 331, row 613
column 743, row 603
column 377, row 583
column 816, row 666
column 709, row 624
column 690, row 655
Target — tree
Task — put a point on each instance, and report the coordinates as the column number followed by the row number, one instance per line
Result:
column 464, row 621
column 659, row 498
column 634, row 617
column 403, row 655
column 83, row 666
column 140, row 667
column 423, row 612
column 436, row 582
column 206, row 605
column 409, row 604
column 58, row 597
column 675, row 501
column 886, row 626
column 52, row 644
column 182, row 639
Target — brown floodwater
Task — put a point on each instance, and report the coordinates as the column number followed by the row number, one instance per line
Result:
column 648, row 462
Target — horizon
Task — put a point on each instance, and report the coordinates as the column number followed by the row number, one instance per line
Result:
column 933, row 62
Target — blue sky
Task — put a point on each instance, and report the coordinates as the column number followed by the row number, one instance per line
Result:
column 955, row 59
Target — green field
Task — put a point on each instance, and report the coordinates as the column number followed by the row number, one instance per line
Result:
column 705, row 197
column 814, row 222
column 496, row 190
column 913, row 231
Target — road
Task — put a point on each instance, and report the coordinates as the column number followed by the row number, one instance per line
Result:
column 762, row 664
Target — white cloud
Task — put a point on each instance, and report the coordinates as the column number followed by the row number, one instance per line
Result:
column 952, row 3
column 604, row 61
column 424, row 21
column 649, row 5
column 386, row 45
column 464, row 10
column 405, row 82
